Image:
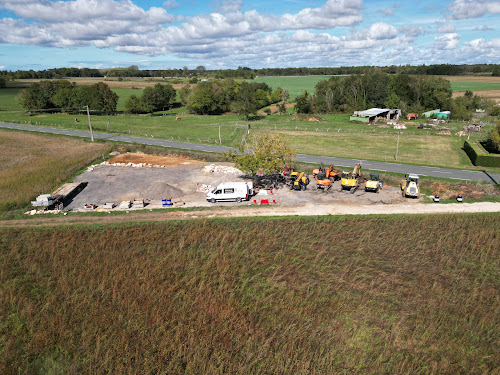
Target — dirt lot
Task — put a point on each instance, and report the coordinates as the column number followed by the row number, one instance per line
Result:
column 184, row 180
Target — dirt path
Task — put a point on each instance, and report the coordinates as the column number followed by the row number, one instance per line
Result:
column 253, row 211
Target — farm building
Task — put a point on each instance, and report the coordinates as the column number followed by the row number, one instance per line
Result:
column 372, row 114
column 444, row 115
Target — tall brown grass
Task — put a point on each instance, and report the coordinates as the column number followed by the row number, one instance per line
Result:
column 33, row 164
column 259, row 296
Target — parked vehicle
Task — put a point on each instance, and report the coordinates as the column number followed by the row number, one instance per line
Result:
column 374, row 183
column 409, row 186
column 231, row 191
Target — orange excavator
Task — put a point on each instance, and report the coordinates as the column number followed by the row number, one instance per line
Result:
column 328, row 173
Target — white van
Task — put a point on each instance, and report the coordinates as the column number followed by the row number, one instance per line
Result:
column 231, row 191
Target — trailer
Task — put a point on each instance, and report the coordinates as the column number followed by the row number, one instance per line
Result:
column 59, row 197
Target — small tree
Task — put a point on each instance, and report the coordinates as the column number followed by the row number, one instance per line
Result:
column 134, row 105
column 494, row 140
column 184, row 94
column 158, row 97
column 303, row 103
column 245, row 102
column 270, row 154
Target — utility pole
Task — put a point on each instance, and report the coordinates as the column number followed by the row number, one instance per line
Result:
column 90, row 125
column 397, row 146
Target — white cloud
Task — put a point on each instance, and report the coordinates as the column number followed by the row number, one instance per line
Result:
column 229, row 6
column 230, row 37
column 411, row 31
column 462, row 9
column 333, row 13
column 171, row 4
column 446, row 28
column 381, row 30
column 388, row 12
column 446, row 41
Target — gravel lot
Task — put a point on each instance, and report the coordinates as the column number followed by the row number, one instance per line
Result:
column 181, row 183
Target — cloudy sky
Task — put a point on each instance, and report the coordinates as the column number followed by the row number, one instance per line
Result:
column 159, row 34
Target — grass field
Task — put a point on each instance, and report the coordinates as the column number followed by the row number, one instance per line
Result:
column 32, row 164
column 474, row 86
column 334, row 137
column 8, row 101
column 294, row 85
column 271, row 296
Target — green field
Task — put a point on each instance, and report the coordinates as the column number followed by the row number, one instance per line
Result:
column 336, row 136
column 8, row 101
column 474, row 86
column 294, row 85
column 297, row 85
column 123, row 95
column 331, row 295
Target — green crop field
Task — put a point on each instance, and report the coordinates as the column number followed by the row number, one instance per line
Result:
column 294, row 85
column 123, row 95
column 342, row 295
column 8, row 101
column 474, row 86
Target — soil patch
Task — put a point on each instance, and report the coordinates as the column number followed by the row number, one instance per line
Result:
column 488, row 94
column 138, row 158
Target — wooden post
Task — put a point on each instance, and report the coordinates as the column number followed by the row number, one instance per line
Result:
column 90, row 125
column 220, row 140
column 397, row 146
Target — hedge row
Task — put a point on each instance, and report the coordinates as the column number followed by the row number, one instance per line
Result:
column 479, row 156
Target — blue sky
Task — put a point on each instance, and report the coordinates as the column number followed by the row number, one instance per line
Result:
column 161, row 34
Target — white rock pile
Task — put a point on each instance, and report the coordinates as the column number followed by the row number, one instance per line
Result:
column 213, row 168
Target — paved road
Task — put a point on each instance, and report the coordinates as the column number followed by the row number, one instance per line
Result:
column 371, row 165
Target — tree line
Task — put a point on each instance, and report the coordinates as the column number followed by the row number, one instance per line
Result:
column 248, row 73
column 244, row 98
column 64, row 95
column 335, row 95
column 382, row 90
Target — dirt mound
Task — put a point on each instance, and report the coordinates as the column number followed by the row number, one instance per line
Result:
column 160, row 189
column 138, row 158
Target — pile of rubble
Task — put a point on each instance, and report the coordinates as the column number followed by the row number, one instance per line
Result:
column 213, row 168
column 203, row 188
column 139, row 165
column 473, row 127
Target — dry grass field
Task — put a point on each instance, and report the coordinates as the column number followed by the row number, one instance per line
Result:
column 330, row 295
column 32, row 164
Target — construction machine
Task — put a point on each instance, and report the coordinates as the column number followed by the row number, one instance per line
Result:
column 409, row 186
column 322, row 182
column 299, row 181
column 328, row 172
column 374, row 183
column 350, row 180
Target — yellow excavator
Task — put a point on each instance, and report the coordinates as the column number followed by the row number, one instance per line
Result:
column 350, row 180
column 299, row 181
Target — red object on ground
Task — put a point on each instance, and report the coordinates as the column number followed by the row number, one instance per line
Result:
column 264, row 201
